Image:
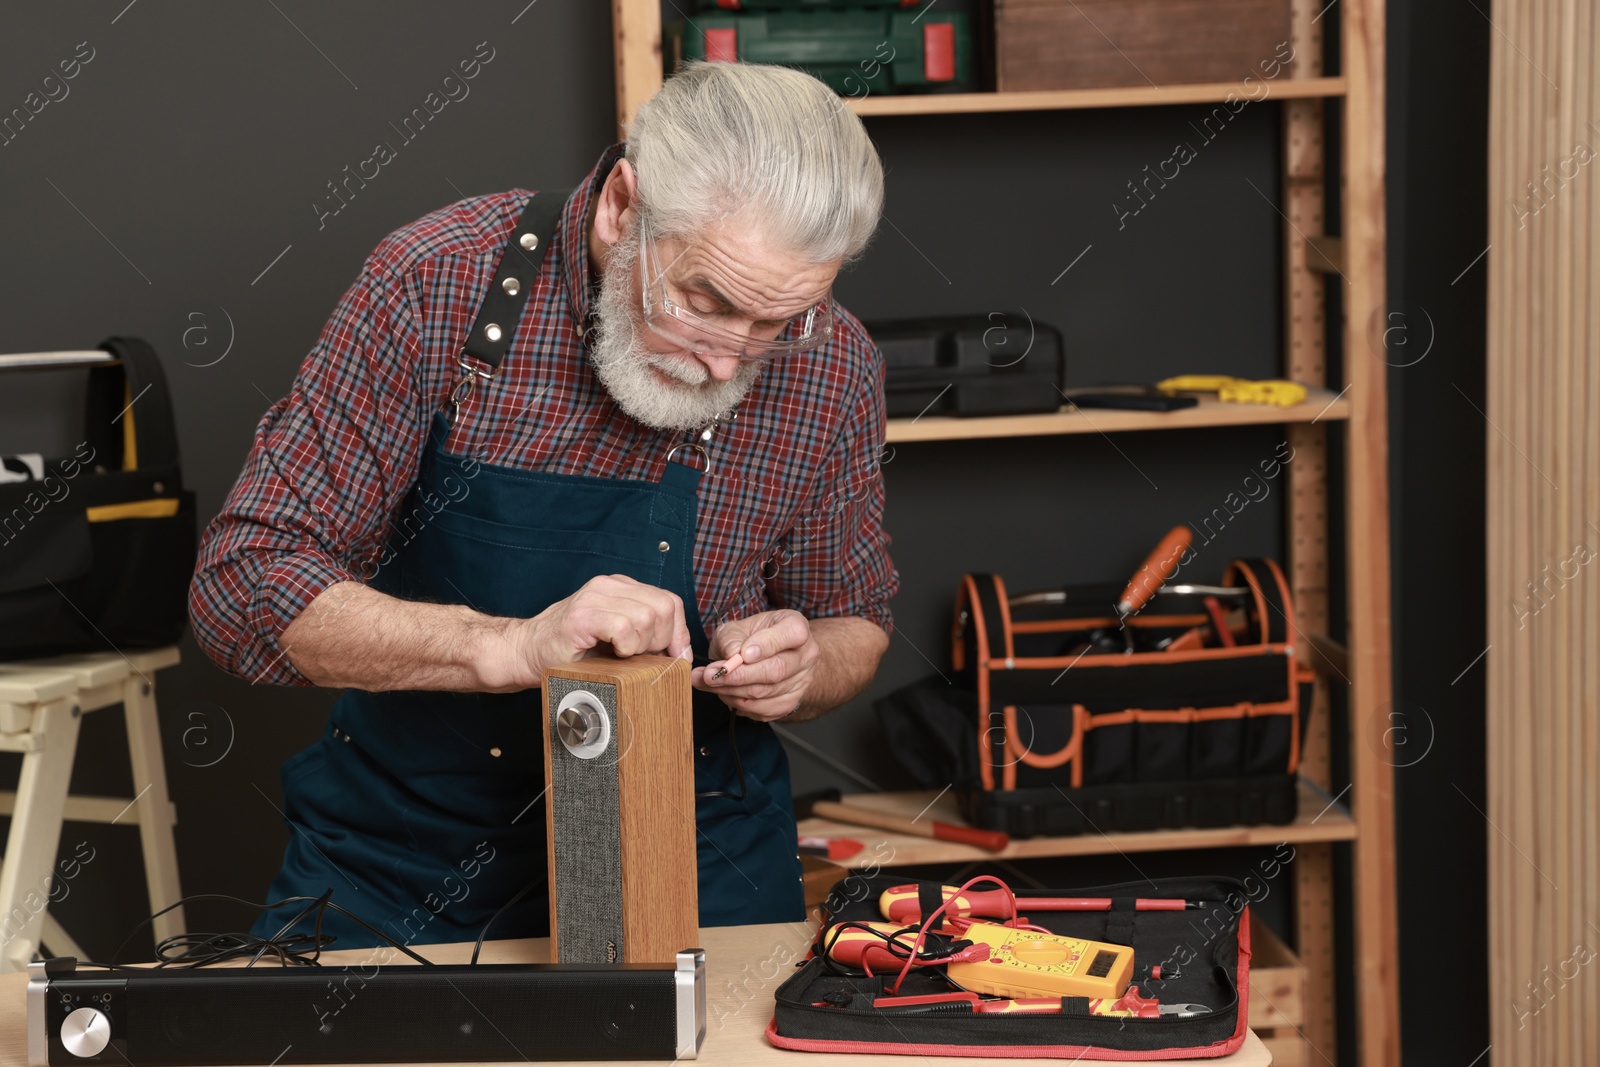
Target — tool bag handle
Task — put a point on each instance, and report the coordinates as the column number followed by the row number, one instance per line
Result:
column 126, row 400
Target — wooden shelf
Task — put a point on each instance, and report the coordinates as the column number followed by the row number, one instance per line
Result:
column 1360, row 659
column 1320, row 405
column 1319, row 821
column 1066, row 99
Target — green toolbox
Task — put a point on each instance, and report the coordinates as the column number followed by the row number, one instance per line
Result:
column 857, row 50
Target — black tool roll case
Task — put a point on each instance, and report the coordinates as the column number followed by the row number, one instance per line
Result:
column 1003, row 364
column 1196, row 957
column 100, row 546
column 1053, row 728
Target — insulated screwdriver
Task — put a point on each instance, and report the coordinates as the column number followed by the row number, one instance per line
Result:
column 901, row 904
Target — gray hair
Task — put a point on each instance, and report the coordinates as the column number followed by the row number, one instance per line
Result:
column 759, row 143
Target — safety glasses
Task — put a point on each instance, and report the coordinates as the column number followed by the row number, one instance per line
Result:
column 722, row 332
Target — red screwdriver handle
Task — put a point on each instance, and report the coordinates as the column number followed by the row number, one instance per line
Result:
column 993, row 840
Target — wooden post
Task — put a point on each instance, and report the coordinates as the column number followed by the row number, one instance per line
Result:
column 1367, row 555
column 1305, row 360
column 636, row 27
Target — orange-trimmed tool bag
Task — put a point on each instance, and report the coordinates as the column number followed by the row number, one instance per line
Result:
column 1067, row 718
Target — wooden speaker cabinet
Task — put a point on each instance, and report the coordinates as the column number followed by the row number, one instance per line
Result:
column 619, row 745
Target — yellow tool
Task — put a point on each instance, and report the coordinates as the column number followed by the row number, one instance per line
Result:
column 1026, row 963
column 1277, row 391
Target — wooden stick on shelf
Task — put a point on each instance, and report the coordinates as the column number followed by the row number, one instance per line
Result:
column 1320, row 405
column 1066, row 99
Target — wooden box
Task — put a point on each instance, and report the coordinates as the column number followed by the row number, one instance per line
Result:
column 1277, row 997
column 1089, row 44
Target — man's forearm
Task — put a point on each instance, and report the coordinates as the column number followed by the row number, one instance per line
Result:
column 353, row 636
column 851, row 648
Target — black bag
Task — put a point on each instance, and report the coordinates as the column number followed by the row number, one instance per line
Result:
column 97, row 554
column 1005, row 364
column 1200, row 956
column 1050, row 729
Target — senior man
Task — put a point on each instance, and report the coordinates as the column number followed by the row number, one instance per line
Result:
column 673, row 447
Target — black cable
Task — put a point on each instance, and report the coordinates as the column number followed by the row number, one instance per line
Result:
column 199, row 950
column 524, row 891
column 935, row 947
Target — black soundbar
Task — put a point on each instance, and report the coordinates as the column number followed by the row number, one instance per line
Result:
column 365, row 1014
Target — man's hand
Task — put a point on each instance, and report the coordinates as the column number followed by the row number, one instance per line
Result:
column 611, row 614
column 770, row 658
column 783, row 666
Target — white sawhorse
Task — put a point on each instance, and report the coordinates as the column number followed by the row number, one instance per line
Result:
column 41, row 704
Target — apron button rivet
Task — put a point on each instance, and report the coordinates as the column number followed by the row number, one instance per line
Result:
column 664, row 546
column 511, row 286
column 704, row 751
column 347, row 739
column 529, row 241
column 492, row 331
column 495, row 751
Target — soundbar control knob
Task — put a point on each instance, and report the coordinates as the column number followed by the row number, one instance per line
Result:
column 86, row 1032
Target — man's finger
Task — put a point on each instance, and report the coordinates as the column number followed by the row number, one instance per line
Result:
column 656, row 617
column 785, row 630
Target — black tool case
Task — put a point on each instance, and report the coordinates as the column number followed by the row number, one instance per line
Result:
column 1001, row 364
column 1203, row 955
column 96, row 554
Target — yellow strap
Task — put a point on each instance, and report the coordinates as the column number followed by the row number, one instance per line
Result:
column 130, row 450
column 138, row 509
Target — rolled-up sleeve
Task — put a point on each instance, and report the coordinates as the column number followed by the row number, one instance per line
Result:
column 834, row 561
column 326, row 468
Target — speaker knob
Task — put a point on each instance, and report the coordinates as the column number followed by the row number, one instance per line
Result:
column 579, row 726
column 86, row 1032
column 582, row 724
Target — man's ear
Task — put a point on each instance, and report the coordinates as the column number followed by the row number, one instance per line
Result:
column 615, row 209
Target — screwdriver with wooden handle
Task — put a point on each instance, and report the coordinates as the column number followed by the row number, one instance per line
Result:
column 993, row 840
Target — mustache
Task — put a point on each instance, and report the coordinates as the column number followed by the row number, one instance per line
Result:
column 687, row 372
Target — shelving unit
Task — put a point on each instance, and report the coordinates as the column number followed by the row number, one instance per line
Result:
column 1312, row 260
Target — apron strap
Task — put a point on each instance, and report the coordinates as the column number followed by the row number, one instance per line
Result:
column 502, row 306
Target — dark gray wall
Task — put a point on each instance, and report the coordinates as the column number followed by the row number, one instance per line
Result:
column 157, row 196
column 187, row 156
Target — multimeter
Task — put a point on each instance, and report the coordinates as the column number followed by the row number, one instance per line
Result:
column 1026, row 963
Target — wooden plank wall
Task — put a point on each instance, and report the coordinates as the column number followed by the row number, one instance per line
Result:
column 1543, row 516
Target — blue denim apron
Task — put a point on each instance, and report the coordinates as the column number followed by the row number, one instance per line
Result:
column 423, row 811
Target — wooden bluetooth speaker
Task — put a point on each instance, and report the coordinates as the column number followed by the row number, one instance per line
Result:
column 619, row 745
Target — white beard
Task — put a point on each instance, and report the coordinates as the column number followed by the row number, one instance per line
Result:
column 623, row 364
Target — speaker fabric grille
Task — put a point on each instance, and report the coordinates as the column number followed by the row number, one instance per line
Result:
column 585, row 806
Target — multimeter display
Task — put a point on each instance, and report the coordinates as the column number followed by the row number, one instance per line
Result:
column 1025, row 963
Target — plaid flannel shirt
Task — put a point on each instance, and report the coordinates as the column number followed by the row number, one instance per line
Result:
column 790, row 514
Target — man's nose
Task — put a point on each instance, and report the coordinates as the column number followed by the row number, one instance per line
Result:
column 720, row 365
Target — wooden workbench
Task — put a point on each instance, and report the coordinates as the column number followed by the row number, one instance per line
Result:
column 744, row 964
